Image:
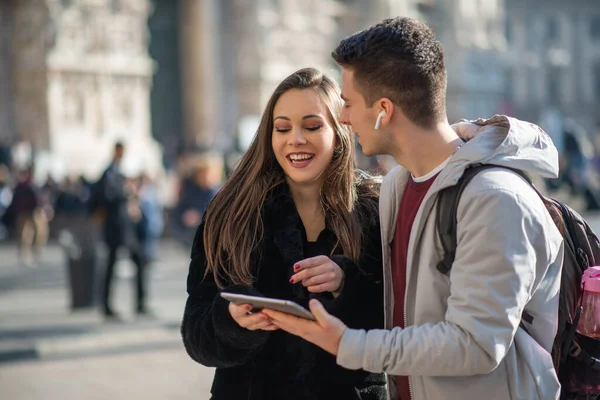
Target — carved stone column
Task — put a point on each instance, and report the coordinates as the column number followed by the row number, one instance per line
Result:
column 7, row 116
column 31, row 40
column 200, row 55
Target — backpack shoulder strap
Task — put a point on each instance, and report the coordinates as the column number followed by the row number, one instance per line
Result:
column 446, row 218
column 447, row 209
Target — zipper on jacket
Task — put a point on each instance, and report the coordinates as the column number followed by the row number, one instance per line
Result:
column 406, row 318
column 412, row 396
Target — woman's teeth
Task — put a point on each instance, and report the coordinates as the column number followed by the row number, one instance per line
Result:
column 300, row 158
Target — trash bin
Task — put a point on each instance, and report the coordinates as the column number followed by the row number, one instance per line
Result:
column 82, row 267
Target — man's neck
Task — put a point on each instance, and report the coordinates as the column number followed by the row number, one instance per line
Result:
column 421, row 151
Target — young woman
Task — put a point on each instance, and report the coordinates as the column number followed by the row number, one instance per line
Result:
column 294, row 221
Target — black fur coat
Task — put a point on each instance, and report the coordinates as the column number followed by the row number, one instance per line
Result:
column 266, row 365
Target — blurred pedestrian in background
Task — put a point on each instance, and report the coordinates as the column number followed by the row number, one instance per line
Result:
column 151, row 223
column 6, row 195
column 114, row 203
column 197, row 190
column 31, row 219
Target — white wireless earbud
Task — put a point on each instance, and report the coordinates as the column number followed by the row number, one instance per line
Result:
column 378, row 122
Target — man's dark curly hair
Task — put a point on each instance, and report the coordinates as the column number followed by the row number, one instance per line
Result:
column 400, row 59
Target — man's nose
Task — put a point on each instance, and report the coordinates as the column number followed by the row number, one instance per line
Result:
column 344, row 119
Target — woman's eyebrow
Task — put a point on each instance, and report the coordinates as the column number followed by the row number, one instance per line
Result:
column 305, row 117
column 312, row 116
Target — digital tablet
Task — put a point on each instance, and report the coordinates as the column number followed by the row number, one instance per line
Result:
column 286, row 306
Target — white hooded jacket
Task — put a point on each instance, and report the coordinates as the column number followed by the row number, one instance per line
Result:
column 463, row 339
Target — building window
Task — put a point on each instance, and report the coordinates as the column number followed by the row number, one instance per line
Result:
column 509, row 89
column 595, row 27
column 531, row 40
column 73, row 107
column 532, row 84
column 552, row 30
column 597, row 81
column 554, row 89
column 508, row 29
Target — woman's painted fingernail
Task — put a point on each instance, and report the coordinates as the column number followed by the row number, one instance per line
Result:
column 291, row 280
column 296, row 266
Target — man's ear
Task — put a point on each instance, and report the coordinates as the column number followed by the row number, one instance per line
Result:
column 386, row 109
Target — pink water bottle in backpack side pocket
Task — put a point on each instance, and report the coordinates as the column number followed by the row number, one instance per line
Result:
column 589, row 322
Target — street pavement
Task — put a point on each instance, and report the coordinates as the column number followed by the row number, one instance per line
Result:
column 159, row 374
column 48, row 351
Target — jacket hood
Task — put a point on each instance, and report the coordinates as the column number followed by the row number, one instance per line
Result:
column 508, row 142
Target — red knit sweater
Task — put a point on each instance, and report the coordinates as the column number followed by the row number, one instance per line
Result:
column 411, row 201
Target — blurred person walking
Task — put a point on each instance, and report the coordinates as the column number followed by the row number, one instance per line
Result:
column 151, row 223
column 114, row 205
column 196, row 193
column 32, row 222
column 6, row 195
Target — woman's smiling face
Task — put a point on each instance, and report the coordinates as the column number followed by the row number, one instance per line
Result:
column 303, row 139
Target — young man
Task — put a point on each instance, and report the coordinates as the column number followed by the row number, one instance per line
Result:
column 453, row 336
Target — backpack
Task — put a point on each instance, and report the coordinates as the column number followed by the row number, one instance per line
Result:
column 576, row 357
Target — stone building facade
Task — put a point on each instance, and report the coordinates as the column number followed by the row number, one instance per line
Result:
column 81, row 78
column 553, row 60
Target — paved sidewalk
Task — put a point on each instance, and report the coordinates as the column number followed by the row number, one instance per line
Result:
column 156, row 375
column 47, row 351
column 36, row 322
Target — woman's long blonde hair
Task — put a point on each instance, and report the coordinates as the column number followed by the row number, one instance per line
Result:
column 233, row 224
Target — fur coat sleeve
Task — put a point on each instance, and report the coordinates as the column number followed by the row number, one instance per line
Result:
column 210, row 335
